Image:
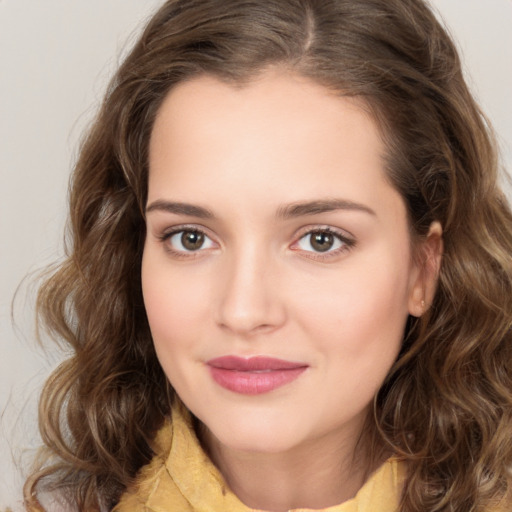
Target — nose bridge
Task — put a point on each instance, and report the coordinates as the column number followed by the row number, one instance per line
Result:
column 249, row 299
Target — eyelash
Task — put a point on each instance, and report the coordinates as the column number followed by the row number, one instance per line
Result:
column 166, row 236
column 347, row 243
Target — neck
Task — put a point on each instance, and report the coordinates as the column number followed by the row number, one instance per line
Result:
column 320, row 473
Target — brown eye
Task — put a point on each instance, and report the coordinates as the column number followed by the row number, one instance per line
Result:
column 188, row 240
column 322, row 241
column 192, row 240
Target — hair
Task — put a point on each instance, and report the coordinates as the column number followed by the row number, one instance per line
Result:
column 446, row 406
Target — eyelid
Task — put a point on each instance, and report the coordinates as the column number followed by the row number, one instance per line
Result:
column 347, row 239
column 165, row 235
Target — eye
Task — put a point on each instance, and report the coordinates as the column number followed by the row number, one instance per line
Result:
column 319, row 241
column 323, row 241
column 188, row 240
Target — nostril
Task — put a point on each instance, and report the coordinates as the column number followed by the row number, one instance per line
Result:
column 254, row 314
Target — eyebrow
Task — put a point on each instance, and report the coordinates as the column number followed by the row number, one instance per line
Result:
column 298, row 209
column 180, row 209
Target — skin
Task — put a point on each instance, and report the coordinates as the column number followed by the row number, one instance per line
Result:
column 258, row 287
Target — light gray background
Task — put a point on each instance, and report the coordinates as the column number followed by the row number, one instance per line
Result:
column 55, row 59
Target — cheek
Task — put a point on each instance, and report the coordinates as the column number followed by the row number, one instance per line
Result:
column 174, row 306
column 360, row 311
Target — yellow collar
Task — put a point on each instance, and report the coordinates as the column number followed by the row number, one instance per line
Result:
column 182, row 477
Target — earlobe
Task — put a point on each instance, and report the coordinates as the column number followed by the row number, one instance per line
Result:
column 428, row 263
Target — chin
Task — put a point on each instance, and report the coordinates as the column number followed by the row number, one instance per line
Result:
column 252, row 441
column 257, row 432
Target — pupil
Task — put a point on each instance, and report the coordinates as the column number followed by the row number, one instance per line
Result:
column 192, row 240
column 322, row 241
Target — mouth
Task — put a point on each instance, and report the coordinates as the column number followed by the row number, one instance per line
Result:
column 254, row 375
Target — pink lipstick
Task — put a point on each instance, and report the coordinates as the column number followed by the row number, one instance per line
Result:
column 255, row 375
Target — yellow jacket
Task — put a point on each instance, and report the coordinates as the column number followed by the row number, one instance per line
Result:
column 181, row 478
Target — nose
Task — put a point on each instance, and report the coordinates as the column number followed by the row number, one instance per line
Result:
column 250, row 300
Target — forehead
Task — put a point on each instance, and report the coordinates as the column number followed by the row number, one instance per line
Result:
column 274, row 91
column 281, row 135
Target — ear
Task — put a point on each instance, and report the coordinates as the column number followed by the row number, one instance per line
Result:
column 424, row 278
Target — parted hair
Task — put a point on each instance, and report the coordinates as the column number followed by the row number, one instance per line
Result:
column 446, row 405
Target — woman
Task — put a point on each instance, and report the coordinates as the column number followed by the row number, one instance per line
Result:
column 290, row 279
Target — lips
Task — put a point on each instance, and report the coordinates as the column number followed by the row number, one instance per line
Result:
column 255, row 375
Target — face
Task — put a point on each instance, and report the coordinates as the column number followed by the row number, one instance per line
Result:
column 277, row 271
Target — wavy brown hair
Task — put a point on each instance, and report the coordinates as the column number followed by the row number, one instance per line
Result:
column 446, row 407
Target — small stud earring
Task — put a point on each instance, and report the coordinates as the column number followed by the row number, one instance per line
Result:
column 422, row 304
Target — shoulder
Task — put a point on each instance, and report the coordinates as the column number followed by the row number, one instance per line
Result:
column 136, row 498
column 145, row 493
